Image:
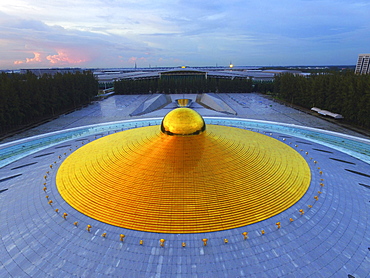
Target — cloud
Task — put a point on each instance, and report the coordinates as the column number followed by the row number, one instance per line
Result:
column 18, row 62
column 109, row 33
column 134, row 60
column 36, row 59
column 55, row 46
column 65, row 58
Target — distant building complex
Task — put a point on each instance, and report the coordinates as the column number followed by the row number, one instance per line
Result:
column 108, row 76
column 363, row 66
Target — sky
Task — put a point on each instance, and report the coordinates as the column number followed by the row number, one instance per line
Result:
column 148, row 33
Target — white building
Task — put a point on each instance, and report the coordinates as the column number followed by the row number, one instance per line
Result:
column 363, row 65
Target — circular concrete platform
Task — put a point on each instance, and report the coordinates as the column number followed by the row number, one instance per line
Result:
column 330, row 239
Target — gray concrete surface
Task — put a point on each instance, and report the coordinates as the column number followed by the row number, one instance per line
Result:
column 331, row 239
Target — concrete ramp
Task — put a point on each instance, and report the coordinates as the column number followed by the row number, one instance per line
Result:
column 214, row 103
column 156, row 102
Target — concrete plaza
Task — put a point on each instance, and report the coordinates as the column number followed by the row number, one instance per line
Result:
column 330, row 239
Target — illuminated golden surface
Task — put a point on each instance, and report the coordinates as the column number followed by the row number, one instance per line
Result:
column 183, row 121
column 183, row 102
column 145, row 180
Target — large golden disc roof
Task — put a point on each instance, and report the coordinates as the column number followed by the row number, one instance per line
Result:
column 147, row 180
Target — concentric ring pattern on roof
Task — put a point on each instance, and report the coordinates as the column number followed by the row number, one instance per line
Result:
column 144, row 179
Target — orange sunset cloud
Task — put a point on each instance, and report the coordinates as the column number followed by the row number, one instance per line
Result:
column 66, row 58
column 36, row 58
column 63, row 57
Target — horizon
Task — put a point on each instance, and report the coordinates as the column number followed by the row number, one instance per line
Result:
column 179, row 66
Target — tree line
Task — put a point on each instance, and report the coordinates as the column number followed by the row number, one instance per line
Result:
column 180, row 85
column 344, row 93
column 26, row 98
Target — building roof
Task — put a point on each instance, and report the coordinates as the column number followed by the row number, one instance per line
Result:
column 111, row 76
column 170, row 181
column 183, row 71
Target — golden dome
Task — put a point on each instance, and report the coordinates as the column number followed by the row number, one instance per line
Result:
column 183, row 121
column 145, row 180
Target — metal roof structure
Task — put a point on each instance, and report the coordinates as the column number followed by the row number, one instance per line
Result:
column 256, row 74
